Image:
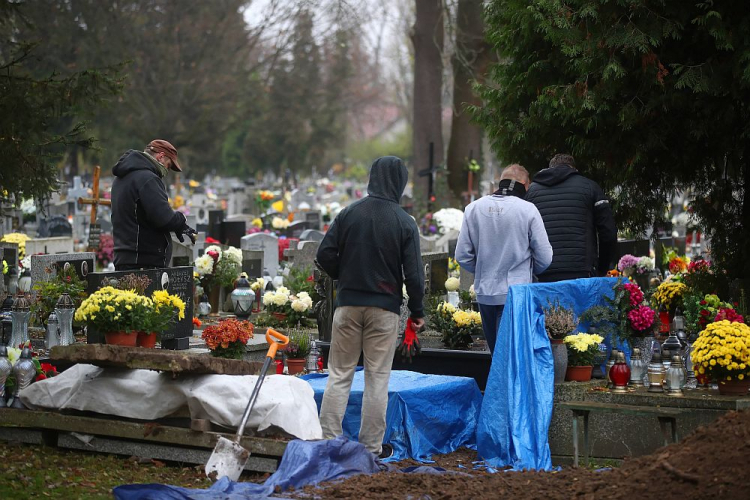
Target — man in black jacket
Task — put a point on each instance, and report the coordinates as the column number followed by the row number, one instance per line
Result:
column 142, row 219
column 372, row 249
column 578, row 220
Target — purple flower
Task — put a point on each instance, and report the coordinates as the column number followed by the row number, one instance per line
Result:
column 433, row 229
column 627, row 261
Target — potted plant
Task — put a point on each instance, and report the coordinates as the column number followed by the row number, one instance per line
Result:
column 582, row 350
column 218, row 269
column 228, row 338
column 559, row 321
column 48, row 292
column 722, row 353
column 458, row 326
column 296, row 351
column 165, row 311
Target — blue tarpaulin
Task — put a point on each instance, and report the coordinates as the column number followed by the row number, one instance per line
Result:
column 517, row 407
column 427, row 414
column 303, row 463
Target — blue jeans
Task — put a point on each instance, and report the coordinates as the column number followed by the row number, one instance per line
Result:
column 490, row 322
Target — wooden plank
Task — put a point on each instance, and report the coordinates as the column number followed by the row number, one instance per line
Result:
column 151, row 432
column 618, row 408
column 157, row 451
column 154, row 359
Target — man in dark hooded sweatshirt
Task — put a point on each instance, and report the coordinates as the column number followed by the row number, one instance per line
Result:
column 372, row 249
column 578, row 220
column 142, row 219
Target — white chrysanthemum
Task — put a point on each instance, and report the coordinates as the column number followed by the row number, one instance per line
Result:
column 279, row 223
column 646, row 263
column 448, row 219
column 28, row 207
column 303, row 295
column 217, row 249
column 26, row 262
column 234, row 254
column 283, row 290
column 268, row 298
column 472, row 292
column 204, row 265
column 280, row 299
column 300, row 305
column 452, row 284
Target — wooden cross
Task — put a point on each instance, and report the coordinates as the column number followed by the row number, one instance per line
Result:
column 95, row 201
column 94, row 230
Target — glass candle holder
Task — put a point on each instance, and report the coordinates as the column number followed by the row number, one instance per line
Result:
column 5, row 369
column 619, row 374
column 20, row 317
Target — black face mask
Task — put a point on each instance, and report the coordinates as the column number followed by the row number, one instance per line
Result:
column 509, row 187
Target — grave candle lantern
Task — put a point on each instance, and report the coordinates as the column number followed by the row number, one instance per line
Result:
column 204, row 306
column 655, row 373
column 64, row 310
column 7, row 320
column 619, row 374
column 242, row 297
column 53, row 331
column 24, row 371
column 675, row 377
column 5, row 369
column 20, row 316
column 637, row 368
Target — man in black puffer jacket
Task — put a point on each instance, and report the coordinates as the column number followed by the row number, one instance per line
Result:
column 372, row 249
column 142, row 219
column 578, row 220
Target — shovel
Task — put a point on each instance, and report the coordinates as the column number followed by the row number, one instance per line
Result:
column 229, row 458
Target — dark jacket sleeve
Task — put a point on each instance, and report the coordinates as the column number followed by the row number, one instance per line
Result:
column 328, row 251
column 153, row 198
column 606, row 230
column 411, row 258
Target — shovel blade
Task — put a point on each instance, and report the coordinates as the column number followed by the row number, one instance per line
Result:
column 228, row 459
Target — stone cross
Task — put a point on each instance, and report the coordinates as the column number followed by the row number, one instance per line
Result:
column 304, row 255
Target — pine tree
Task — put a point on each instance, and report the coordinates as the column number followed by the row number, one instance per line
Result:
column 649, row 96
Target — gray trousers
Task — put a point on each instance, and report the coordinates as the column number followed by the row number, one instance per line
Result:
column 373, row 332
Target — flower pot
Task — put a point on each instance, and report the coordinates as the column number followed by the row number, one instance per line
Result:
column 560, row 358
column 146, row 339
column 734, row 387
column 214, row 295
column 127, row 339
column 578, row 373
column 295, row 365
column 281, row 317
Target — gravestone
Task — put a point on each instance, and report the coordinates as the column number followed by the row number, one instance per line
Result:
column 266, row 243
column 435, row 272
column 215, row 227
column 304, row 254
column 312, row 235
column 637, row 248
column 465, row 279
column 252, row 263
column 314, row 219
column 63, row 244
column 444, row 242
column 182, row 253
column 45, row 267
column 106, row 225
column 9, row 254
column 233, row 231
column 175, row 280
column 427, row 243
column 296, row 229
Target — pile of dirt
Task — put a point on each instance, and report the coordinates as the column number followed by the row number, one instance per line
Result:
column 710, row 463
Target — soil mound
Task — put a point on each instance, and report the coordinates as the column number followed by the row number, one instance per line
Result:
column 712, row 462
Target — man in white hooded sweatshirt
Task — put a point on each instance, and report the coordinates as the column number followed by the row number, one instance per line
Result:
column 504, row 243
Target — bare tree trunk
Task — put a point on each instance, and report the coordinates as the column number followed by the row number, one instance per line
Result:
column 470, row 63
column 427, row 38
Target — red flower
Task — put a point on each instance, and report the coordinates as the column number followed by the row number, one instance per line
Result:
column 41, row 376
column 704, row 313
column 214, row 255
column 213, row 241
column 197, row 323
column 49, row 369
column 703, row 302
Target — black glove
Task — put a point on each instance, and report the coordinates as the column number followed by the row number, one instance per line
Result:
column 185, row 230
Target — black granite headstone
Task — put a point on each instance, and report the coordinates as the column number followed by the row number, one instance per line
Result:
column 215, row 226
column 233, row 231
column 637, row 248
column 83, row 267
column 175, row 280
column 296, row 228
column 314, row 219
column 252, row 263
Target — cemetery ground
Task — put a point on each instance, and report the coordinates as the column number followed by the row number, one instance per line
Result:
column 709, row 463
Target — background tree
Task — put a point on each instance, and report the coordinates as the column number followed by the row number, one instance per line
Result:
column 427, row 38
column 470, row 60
column 40, row 116
column 649, row 96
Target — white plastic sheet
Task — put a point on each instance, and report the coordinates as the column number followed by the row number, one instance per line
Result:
column 284, row 402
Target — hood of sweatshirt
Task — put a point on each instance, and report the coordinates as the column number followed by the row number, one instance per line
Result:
column 554, row 175
column 388, row 176
column 132, row 161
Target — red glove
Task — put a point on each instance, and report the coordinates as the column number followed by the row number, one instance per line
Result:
column 410, row 345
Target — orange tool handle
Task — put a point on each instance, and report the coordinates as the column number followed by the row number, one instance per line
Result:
column 271, row 337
